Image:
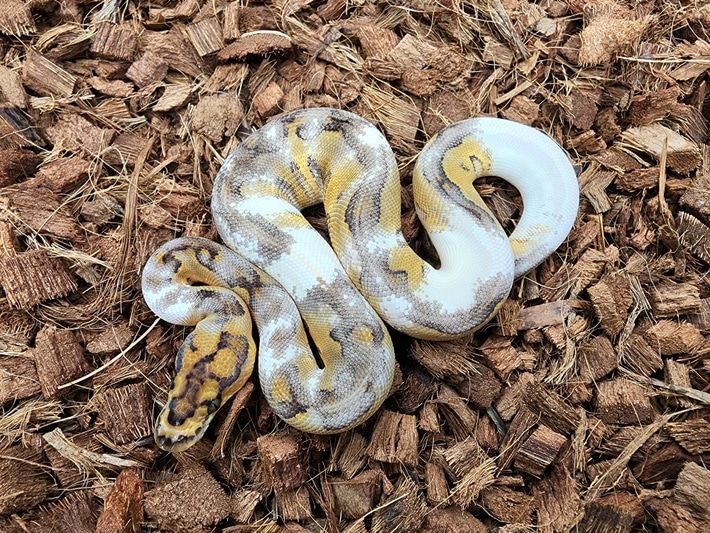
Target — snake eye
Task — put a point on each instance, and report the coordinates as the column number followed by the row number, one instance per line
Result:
column 213, row 405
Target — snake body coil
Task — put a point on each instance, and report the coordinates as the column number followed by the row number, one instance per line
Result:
column 276, row 269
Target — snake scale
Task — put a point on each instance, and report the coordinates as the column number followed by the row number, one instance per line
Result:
column 278, row 272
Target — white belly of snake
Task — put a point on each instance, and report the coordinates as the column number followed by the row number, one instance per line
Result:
column 276, row 269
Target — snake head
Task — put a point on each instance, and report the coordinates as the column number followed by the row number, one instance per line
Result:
column 180, row 424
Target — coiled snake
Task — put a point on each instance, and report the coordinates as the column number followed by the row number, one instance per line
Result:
column 277, row 270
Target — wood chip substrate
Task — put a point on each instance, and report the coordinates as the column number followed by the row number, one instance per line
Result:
column 583, row 406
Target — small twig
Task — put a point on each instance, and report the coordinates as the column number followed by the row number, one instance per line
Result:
column 112, row 360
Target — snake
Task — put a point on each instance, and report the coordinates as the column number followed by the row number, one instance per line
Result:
column 322, row 309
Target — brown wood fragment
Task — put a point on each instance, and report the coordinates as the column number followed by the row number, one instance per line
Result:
column 692, row 490
column 583, row 109
column 46, row 77
column 519, row 429
column 394, row 439
column 332, row 9
column 181, row 503
column 540, row 316
column 557, row 500
column 206, row 36
column 174, row 96
column 508, row 317
column 611, row 298
column 621, row 401
column 692, row 435
column 444, row 359
column 33, row 277
column 507, row 505
column 678, row 375
column 125, row 149
column 640, row 356
column 357, row 496
column 11, row 87
column 429, row 418
column 115, row 41
column 683, row 155
column 283, row 460
column 69, row 473
column 18, row 379
column 74, row 132
column 115, row 88
column 243, row 504
column 59, row 359
column 417, row 387
column 694, row 235
column 672, row 299
column 539, row 450
column 671, row 516
column 352, row 457
column 217, row 115
column 225, row 429
column 150, row 68
column 452, row 520
column 662, row 466
column 185, row 9
column 501, row 355
column 445, row 107
column 481, row 388
column 267, row 100
column 668, row 337
column 125, row 412
column 123, row 507
column 635, row 180
column 76, row 512
column 23, row 483
column 510, row 400
column 17, row 129
column 552, row 409
column 522, row 109
column 402, row 511
column 17, row 165
column 258, row 43
column 16, row 19
column 437, row 489
column 653, row 106
column 596, row 358
column 230, row 23
column 294, row 504
column 458, row 415
column 112, row 340
column 257, row 18
column 41, row 210
column 62, row 175
column 375, row 40
column 175, row 49
column 696, row 198
column 586, row 143
column 616, row 512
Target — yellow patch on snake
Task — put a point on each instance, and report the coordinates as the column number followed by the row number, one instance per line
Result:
column 329, row 347
column 390, row 212
column 363, row 334
column 430, row 205
column 405, row 260
column 291, row 220
column 523, row 245
column 280, row 390
column 461, row 163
